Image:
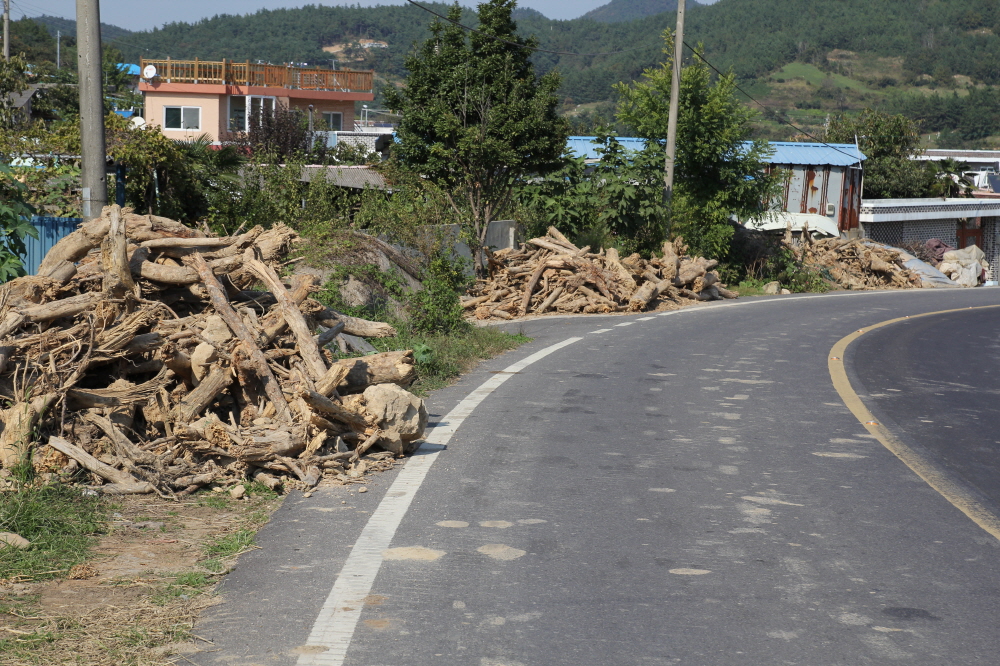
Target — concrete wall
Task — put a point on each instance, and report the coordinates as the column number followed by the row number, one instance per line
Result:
column 213, row 113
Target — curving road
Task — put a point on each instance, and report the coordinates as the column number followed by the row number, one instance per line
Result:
column 679, row 489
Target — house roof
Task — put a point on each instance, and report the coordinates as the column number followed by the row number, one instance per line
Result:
column 128, row 68
column 785, row 152
column 832, row 154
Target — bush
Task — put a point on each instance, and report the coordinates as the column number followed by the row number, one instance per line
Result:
column 437, row 308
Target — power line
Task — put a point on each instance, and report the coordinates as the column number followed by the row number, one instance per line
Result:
column 510, row 43
column 784, row 122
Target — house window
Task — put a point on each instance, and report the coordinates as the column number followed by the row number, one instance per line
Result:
column 237, row 113
column 243, row 108
column 333, row 121
column 182, row 117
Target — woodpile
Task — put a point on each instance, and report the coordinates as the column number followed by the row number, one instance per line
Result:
column 550, row 274
column 161, row 359
column 855, row 263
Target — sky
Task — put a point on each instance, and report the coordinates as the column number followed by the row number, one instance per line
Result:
column 144, row 15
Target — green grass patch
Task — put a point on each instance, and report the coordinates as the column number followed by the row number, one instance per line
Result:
column 231, row 544
column 750, row 287
column 440, row 358
column 815, row 76
column 60, row 522
column 185, row 585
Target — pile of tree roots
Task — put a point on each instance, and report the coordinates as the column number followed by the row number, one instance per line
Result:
column 141, row 358
column 855, row 263
column 550, row 274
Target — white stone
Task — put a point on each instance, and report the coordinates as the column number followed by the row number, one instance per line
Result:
column 772, row 288
column 9, row 539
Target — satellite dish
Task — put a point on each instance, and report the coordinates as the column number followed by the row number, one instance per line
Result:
column 148, row 72
column 138, row 122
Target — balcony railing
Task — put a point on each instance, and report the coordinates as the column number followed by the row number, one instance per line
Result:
column 228, row 72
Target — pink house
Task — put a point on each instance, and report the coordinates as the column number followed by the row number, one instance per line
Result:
column 188, row 98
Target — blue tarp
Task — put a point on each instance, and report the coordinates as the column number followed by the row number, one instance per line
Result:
column 785, row 152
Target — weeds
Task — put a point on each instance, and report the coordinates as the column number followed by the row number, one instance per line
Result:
column 59, row 521
column 442, row 357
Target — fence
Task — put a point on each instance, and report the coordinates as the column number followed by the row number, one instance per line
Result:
column 228, row 72
column 50, row 230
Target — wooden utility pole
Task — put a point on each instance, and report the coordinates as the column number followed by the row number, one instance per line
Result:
column 675, row 91
column 6, row 29
column 94, row 179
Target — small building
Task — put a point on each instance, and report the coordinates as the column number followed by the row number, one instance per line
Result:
column 188, row 98
column 956, row 221
column 823, row 187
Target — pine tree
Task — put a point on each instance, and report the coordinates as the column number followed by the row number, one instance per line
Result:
column 476, row 119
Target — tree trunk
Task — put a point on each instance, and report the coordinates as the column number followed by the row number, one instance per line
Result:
column 19, row 426
column 290, row 312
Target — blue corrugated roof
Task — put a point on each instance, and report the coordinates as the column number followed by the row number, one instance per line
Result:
column 128, row 68
column 834, row 154
column 785, row 152
column 584, row 146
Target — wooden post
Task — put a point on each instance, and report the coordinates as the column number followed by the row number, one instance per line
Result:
column 196, row 72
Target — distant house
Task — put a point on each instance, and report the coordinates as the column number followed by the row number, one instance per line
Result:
column 823, row 188
column 188, row 98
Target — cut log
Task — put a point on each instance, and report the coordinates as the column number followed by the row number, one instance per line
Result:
column 74, row 246
column 19, row 426
column 195, row 402
column 106, row 472
column 117, row 280
column 329, row 408
column 290, row 312
column 352, row 325
column 386, row 368
column 328, row 383
column 255, row 357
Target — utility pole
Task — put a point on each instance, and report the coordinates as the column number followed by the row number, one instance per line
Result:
column 675, row 91
column 6, row 29
column 58, row 49
column 94, row 179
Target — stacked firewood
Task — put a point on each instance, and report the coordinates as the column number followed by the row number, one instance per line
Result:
column 856, row 263
column 551, row 274
column 159, row 358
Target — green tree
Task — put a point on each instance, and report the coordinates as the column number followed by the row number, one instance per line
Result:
column 476, row 120
column 15, row 225
column 13, row 82
column 718, row 171
column 889, row 142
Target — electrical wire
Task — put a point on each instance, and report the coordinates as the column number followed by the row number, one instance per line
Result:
column 510, row 43
column 784, row 122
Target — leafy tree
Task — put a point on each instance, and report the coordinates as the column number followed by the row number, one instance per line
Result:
column 476, row 120
column 718, row 170
column 618, row 201
column 889, row 142
column 13, row 81
column 15, row 225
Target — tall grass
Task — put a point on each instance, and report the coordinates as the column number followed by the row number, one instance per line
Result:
column 60, row 522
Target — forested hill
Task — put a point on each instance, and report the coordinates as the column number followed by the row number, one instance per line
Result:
column 617, row 11
column 940, row 38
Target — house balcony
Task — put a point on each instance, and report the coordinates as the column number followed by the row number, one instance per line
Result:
column 250, row 75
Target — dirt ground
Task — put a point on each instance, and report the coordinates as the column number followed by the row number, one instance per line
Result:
column 136, row 600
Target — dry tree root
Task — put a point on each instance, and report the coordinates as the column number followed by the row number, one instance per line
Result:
column 550, row 274
column 140, row 355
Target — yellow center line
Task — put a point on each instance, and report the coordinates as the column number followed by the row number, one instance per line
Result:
column 928, row 470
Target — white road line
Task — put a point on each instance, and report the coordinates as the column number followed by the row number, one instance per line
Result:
column 338, row 618
column 601, row 330
column 628, row 323
column 644, row 318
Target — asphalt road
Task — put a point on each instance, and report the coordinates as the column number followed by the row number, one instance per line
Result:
column 686, row 489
